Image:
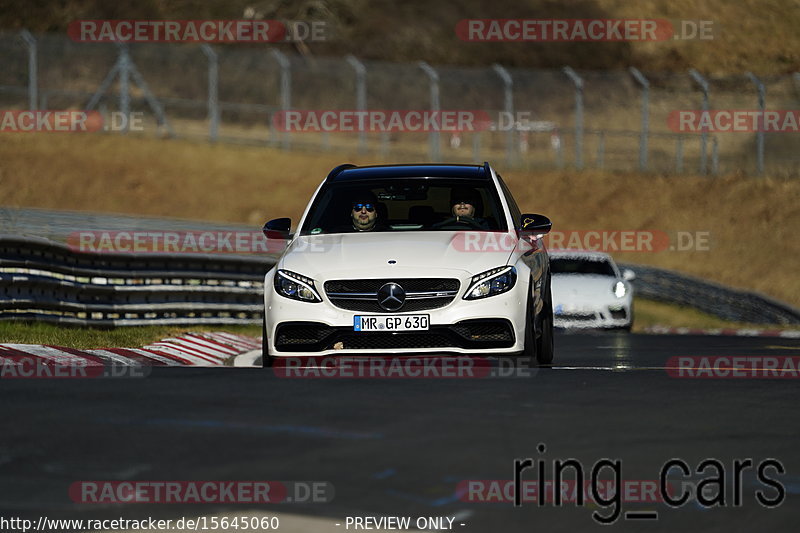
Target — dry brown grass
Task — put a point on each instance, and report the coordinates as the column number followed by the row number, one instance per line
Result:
column 752, row 222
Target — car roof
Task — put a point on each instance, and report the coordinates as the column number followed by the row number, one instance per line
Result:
column 345, row 173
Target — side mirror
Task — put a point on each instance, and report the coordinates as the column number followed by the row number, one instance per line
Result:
column 628, row 274
column 277, row 229
column 536, row 224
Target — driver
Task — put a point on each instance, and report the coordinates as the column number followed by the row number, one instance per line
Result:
column 364, row 212
column 464, row 201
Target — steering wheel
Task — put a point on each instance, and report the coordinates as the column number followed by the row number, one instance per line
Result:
column 459, row 222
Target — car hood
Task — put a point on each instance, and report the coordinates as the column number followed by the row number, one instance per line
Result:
column 577, row 287
column 367, row 255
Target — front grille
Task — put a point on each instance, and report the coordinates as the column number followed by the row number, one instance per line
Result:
column 421, row 293
column 577, row 316
column 315, row 337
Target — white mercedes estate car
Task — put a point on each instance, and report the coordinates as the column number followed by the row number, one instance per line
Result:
column 589, row 291
column 410, row 259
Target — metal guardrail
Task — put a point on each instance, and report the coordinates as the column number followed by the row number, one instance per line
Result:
column 46, row 281
column 713, row 298
column 42, row 280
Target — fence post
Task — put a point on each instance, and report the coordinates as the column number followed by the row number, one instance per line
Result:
column 508, row 100
column 33, row 70
column 714, row 156
column 213, row 91
column 361, row 96
column 286, row 90
column 433, row 76
column 578, row 81
column 704, row 135
column 601, row 150
column 124, row 85
column 645, row 116
column 762, row 104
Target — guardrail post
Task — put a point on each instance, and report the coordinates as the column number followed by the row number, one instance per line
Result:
column 645, row 116
column 213, row 91
column 361, row 96
column 433, row 77
column 286, row 90
column 578, row 82
column 508, row 101
column 701, row 81
column 762, row 104
column 33, row 70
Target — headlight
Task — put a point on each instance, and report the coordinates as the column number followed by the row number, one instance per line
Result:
column 491, row 282
column 620, row 289
column 292, row 285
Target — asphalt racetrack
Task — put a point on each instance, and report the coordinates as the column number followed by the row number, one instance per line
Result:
column 402, row 447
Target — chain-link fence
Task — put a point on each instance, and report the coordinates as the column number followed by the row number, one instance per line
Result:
column 614, row 120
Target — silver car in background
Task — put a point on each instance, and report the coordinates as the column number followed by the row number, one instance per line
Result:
column 589, row 291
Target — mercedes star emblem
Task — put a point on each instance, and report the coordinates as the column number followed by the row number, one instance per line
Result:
column 391, row 296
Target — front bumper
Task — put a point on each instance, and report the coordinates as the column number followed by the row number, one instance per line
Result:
column 616, row 315
column 492, row 325
column 477, row 334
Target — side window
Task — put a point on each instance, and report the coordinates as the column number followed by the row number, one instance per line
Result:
column 516, row 214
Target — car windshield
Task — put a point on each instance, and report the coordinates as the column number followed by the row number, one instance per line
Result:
column 575, row 265
column 412, row 204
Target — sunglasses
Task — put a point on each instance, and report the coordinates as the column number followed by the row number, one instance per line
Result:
column 467, row 201
column 369, row 207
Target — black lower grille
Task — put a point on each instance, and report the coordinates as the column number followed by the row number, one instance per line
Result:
column 468, row 334
column 577, row 316
column 618, row 314
column 485, row 330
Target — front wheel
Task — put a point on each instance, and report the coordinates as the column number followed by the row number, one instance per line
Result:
column 545, row 347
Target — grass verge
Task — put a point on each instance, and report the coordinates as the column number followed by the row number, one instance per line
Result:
column 91, row 338
column 649, row 313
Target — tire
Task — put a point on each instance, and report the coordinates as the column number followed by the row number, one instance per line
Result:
column 529, row 338
column 545, row 347
column 266, row 359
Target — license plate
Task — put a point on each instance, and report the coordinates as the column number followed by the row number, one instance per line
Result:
column 390, row 322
